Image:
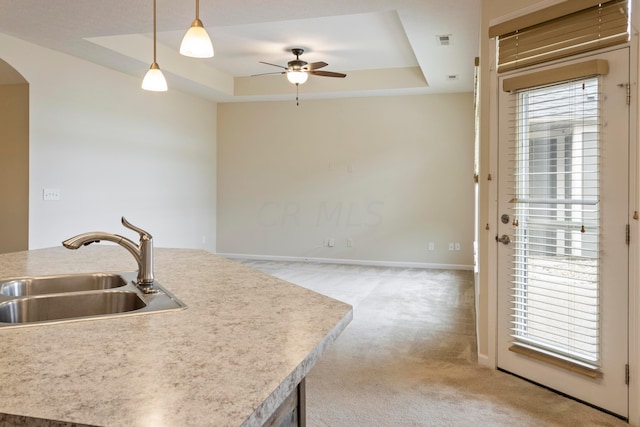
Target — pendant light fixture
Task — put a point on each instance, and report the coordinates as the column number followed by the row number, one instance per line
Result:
column 154, row 79
column 196, row 42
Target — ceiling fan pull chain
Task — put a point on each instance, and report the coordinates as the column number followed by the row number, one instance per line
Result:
column 297, row 86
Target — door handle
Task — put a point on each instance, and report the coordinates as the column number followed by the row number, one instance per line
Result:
column 505, row 240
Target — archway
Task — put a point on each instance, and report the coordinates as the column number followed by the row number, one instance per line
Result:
column 14, row 160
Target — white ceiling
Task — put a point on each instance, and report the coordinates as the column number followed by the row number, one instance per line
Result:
column 384, row 46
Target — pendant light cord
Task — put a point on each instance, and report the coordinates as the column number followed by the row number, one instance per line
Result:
column 154, row 31
column 197, row 9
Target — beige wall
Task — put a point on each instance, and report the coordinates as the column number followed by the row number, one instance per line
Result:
column 113, row 149
column 392, row 174
column 14, row 167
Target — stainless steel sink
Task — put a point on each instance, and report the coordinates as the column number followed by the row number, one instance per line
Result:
column 26, row 286
column 53, row 299
column 72, row 305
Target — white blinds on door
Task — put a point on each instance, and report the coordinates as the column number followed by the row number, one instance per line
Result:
column 555, row 220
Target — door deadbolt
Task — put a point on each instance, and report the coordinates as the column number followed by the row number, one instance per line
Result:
column 504, row 218
column 505, row 240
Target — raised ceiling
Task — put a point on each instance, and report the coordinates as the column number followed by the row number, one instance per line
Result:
column 386, row 47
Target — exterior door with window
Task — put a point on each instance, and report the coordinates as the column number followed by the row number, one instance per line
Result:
column 562, row 228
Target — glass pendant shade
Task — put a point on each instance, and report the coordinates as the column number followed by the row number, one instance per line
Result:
column 196, row 42
column 297, row 77
column 154, row 79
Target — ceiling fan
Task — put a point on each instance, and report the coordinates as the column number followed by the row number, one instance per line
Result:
column 298, row 71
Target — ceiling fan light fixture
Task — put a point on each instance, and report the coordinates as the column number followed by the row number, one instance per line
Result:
column 196, row 43
column 154, row 79
column 297, row 77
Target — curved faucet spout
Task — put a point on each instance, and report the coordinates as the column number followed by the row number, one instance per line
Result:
column 95, row 237
column 142, row 252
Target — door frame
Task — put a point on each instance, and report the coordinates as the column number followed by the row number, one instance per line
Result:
column 634, row 228
column 491, row 174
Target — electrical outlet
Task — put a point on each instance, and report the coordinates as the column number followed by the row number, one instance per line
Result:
column 332, row 242
column 432, row 246
column 51, row 194
column 451, row 246
column 349, row 242
column 457, row 246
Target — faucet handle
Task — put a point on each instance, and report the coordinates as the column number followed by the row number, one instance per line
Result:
column 143, row 234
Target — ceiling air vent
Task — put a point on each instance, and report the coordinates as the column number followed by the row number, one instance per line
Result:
column 444, row 40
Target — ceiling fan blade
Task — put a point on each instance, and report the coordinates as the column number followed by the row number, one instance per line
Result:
column 314, row 65
column 265, row 74
column 275, row 65
column 326, row 73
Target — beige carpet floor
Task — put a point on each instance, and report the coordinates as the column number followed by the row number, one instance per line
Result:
column 409, row 356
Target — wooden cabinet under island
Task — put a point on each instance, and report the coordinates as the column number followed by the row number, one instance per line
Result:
column 236, row 356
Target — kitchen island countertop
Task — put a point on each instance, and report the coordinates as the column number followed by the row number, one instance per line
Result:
column 244, row 343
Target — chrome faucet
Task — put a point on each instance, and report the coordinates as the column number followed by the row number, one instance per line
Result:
column 142, row 252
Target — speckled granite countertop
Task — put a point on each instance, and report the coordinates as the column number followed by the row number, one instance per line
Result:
column 230, row 359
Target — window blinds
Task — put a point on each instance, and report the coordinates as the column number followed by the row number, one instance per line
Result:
column 555, row 267
column 544, row 37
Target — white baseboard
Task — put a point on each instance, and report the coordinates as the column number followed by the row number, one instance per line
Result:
column 350, row 261
column 483, row 360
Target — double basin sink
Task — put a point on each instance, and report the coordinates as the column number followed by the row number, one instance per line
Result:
column 60, row 298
